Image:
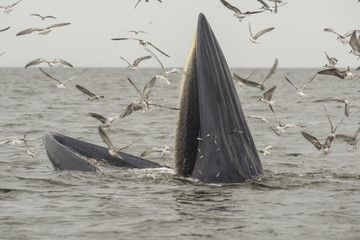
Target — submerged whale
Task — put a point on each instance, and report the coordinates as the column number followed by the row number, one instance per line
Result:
column 212, row 142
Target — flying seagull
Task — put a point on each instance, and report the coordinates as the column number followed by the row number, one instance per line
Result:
column 337, row 99
column 332, row 62
column 261, row 86
column 8, row 7
column 324, row 148
column 51, row 64
column 92, row 96
column 337, row 73
column 340, row 37
column 355, row 44
column 241, row 80
column 351, row 140
column 42, row 31
column 42, row 17
column 145, row 1
column 62, row 84
column 134, row 66
column 253, row 38
column 142, row 42
column 267, row 97
column 137, row 32
column 237, row 13
column 266, row 121
column 301, row 90
column 105, row 122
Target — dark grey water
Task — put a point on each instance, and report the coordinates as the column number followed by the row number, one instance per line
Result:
column 302, row 195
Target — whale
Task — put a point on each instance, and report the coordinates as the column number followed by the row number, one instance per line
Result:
column 212, row 143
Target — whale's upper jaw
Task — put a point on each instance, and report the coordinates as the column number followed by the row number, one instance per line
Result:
column 212, row 142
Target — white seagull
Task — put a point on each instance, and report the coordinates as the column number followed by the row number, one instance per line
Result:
column 105, row 122
column 237, row 13
column 332, row 62
column 92, row 96
column 42, row 17
column 351, row 140
column 62, row 84
column 134, row 66
column 337, row 99
column 8, row 7
column 42, row 31
column 355, row 44
column 142, row 42
column 301, row 90
column 50, row 63
column 253, row 38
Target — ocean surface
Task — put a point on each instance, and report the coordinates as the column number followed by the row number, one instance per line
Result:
column 302, row 195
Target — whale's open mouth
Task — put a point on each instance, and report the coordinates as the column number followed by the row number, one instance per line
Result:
column 212, row 142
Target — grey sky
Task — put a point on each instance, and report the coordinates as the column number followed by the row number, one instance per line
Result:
column 297, row 41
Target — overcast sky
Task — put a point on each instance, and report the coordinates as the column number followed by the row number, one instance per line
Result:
column 297, row 41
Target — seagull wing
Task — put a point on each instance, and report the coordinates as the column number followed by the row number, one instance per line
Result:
column 84, row 90
column 36, row 62
column 263, row 32
column 268, row 94
column 138, row 60
column 272, row 71
column 130, row 108
column 105, row 138
column 75, row 76
column 136, row 88
column 332, row 72
column 308, row 82
column 162, row 66
column 35, row 14
column 245, row 81
column 126, row 61
column 2, row 30
column 98, row 117
column 343, row 138
column 253, row 12
column 48, row 75
column 356, row 133
column 328, row 116
column 59, row 60
column 27, row 31
column 292, row 84
column 137, row 4
column 354, row 43
column 229, row 6
column 157, row 49
column 149, row 150
column 50, row 17
column 264, row 4
column 15, row 3
column 148, row 87
column 127, row 146
column 162, row 106
column 251, row 35
column 313, row 140
column 57, row 25
column 332, row 30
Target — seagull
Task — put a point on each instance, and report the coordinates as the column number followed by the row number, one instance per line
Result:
column 351, row 140
column 340, row 100
column 267, row 121
column 265, row 151
column 8, row 7
column 42, row 17
column 241, row 80
column 145, row 1
column 261, row 86
column 337, row 73
column 105, row 122
column 254, row 38
column 142, row 42
column 134, row 66
column 137, row 32
column 61, row 84
column 106, row 139
column 92, row 96
column 332, row 62
column 301, row 90
column 166, row 150
column 42, row 31
column 165, row 74
column 355, row 44
column 267, row 97
column 3, row 30
column 32, row 152
column 341, row 38
column 18, row 140
column 51, row 64
column 237, row 13
column 324, row 148
column 143, row 104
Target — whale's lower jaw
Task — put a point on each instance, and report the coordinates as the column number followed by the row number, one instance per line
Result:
column 212, row 142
